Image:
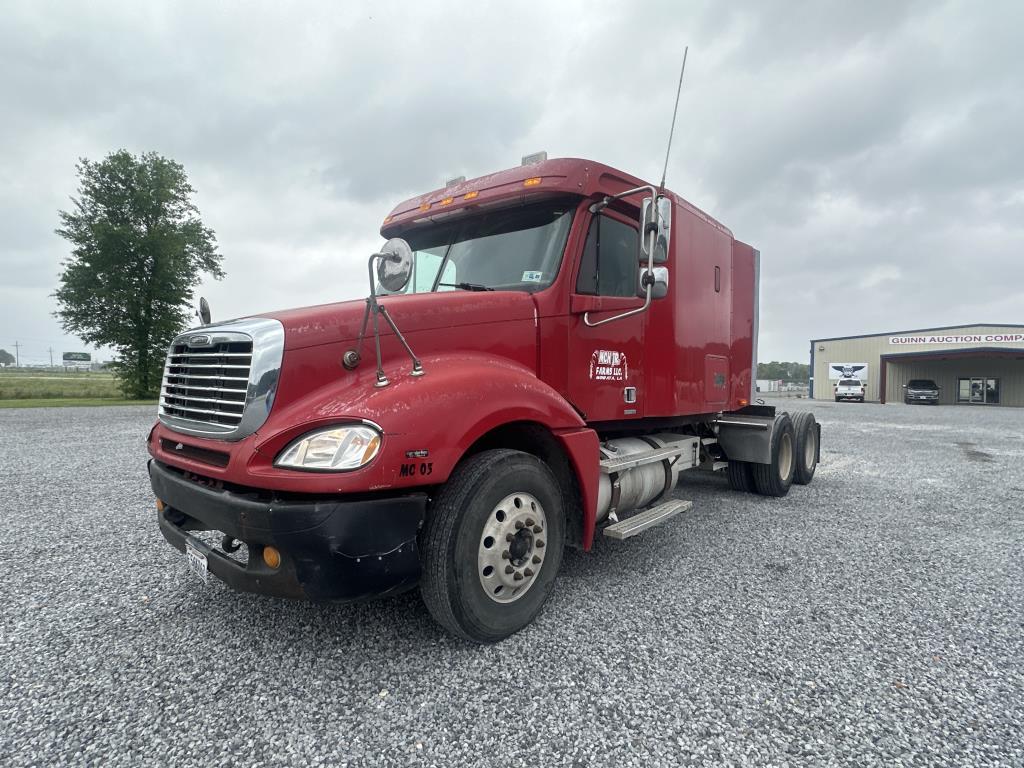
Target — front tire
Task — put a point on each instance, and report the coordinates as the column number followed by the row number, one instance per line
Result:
column 492, row 545
column 775, row 478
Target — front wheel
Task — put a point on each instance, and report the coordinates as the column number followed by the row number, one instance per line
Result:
column 492, row 545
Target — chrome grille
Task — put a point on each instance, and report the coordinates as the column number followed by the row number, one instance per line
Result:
column 208, row 386
column 220, row 382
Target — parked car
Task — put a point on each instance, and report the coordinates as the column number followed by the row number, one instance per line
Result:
column 850, row 389
column 921, row 391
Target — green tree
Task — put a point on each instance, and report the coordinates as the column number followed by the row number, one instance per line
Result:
column 6, row 358
column 138, row 251
column 796, row 372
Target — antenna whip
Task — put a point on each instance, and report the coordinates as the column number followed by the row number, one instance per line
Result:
column 673, row 128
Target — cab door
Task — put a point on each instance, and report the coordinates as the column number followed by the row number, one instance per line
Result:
column 606, row 372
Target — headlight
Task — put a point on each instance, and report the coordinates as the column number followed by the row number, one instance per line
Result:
column 333, row 449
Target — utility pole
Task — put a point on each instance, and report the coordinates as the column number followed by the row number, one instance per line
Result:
column 17, row 355
column 51, row 356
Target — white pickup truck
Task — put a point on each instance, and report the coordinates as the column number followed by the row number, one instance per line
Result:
column 850, row 389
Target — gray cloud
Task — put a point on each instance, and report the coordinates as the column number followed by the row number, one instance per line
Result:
column 870, row 150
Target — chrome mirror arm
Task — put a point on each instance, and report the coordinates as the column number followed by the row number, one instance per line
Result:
column 648, row 282
column 374, row 308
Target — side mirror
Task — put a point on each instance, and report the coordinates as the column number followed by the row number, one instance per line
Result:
column 394, row 265
column 661, row 221
column 658, row 278
column 204, row 310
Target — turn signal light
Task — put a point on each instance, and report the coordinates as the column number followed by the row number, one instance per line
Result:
column 271, row 557
column 160, row 506
column 744, row 401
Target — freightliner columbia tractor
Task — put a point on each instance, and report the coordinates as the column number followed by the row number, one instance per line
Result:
column 544, row 351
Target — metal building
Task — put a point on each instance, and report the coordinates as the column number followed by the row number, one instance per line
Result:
column 972, row 364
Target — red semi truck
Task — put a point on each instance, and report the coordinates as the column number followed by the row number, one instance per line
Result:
column 544, row 351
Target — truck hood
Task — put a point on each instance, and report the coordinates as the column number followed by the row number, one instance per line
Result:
column 332, row 323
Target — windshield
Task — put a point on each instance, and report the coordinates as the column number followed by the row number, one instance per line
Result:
column 850, row 383
column 921, row 384
column 517, row 249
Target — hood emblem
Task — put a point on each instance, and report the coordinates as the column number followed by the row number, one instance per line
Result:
column 200, row 341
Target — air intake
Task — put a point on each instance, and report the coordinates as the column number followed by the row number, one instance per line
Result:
column 220, row 382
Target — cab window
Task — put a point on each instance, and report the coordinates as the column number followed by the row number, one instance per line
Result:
column 609, row 266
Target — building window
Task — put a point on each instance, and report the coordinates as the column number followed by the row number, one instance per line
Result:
column 977, row 390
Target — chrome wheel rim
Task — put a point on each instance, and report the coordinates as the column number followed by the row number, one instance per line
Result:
column 511, row 551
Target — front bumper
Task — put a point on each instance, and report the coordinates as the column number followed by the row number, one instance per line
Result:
column 925, row 397
column 331, row 550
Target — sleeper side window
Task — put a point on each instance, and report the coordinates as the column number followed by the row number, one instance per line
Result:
column 609, row 266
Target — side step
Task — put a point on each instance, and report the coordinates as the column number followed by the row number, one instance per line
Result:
column 620, row 463
column 640, row 522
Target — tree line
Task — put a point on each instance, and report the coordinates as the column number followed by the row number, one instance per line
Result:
column 795, row 372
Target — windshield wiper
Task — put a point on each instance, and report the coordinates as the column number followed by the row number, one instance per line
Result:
column 467, row 286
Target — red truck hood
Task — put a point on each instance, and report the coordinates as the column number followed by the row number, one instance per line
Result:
column 332, row 323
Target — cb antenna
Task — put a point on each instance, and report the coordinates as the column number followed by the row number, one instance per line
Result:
column 673, row 128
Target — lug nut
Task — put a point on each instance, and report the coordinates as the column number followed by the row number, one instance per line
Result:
column 539, row 543
column 537, row 529
column 536, row 559
column 509, row 569
column 530, row 521
column 509, row 536
column 505, row 555
column 519, row 525
column 528, row 572
column 518, row 576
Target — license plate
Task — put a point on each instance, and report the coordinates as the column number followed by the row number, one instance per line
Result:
column 196, row 562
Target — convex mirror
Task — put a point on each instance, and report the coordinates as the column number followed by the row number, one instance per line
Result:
column 394, row 267
column 659, row 288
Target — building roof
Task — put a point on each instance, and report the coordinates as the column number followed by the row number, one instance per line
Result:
column 919, row 330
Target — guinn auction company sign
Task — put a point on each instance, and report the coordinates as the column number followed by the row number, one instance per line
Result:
column 976, row 338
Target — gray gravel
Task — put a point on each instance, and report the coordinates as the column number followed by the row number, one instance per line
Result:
column 872, row 618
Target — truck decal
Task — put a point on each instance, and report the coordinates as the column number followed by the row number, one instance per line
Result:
column 608, row 365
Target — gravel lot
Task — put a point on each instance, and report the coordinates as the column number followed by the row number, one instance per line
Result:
column 873, row 617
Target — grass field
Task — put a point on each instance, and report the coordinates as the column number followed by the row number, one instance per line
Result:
column 67, row 402
column 34, row 387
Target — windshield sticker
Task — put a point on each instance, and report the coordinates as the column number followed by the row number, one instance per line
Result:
column 608, row 365
column 532, row 277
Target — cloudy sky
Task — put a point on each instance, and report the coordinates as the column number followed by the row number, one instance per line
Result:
column 873, row 151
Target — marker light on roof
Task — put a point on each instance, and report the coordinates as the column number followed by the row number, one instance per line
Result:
column 532, row 182
column 448, row 201
column 470, row 195
column 425, row 206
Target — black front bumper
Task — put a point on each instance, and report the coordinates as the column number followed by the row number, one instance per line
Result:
column 330, row 550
